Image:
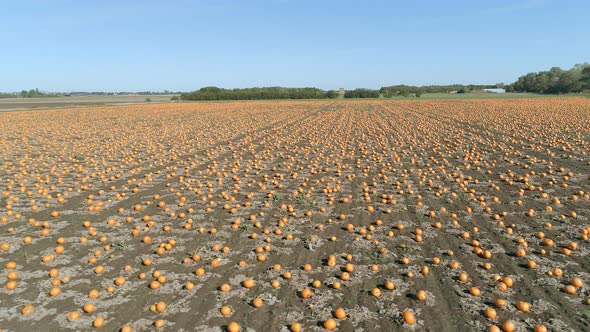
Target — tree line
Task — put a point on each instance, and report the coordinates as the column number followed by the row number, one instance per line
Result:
column 119, row 93
column 35, row 93
column 554, row 81
column 215, row 93
column 416, row 91
column 8, row 95
column 362, row 93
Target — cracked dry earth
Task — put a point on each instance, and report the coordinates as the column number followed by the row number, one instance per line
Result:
column 459, row 215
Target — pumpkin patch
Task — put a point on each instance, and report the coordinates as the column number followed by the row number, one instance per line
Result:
column 338, row 215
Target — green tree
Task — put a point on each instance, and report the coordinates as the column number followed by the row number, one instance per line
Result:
column 568, row 82
column 215, row 93
column 585, row 77
column 553, row 81
column 331, row 94
column 361, row 93
column 387, row 94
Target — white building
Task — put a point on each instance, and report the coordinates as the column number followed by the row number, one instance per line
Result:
column 495, row 90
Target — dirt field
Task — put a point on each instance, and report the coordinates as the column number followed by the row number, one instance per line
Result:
column 11, row 104
column 458, row 215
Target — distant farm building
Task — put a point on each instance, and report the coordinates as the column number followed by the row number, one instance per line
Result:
column 341, row 92
column 495, row 90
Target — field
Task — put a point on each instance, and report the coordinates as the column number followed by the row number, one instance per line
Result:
column 378, row 215
column 479, row 94
column 474, row 95
column 11, row 104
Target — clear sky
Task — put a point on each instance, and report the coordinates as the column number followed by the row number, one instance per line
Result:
column 62, row 45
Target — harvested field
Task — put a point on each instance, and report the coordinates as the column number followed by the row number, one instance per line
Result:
column 11, row 104
column 458, row 215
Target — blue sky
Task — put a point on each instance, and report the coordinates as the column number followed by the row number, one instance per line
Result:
column 138, row 45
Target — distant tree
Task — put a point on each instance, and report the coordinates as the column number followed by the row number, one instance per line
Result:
column 7, row 95
column 553, row 81
column 568, row 82
column 463, row 90
column 387, row 93
column 210, row 89
column 585, row 77
column 215, row 93
column 361, row 93
column 397, row 90
column 579, row 68
column 331, row 94
column 174, row 98
column 148, row 100
column 34, row 93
